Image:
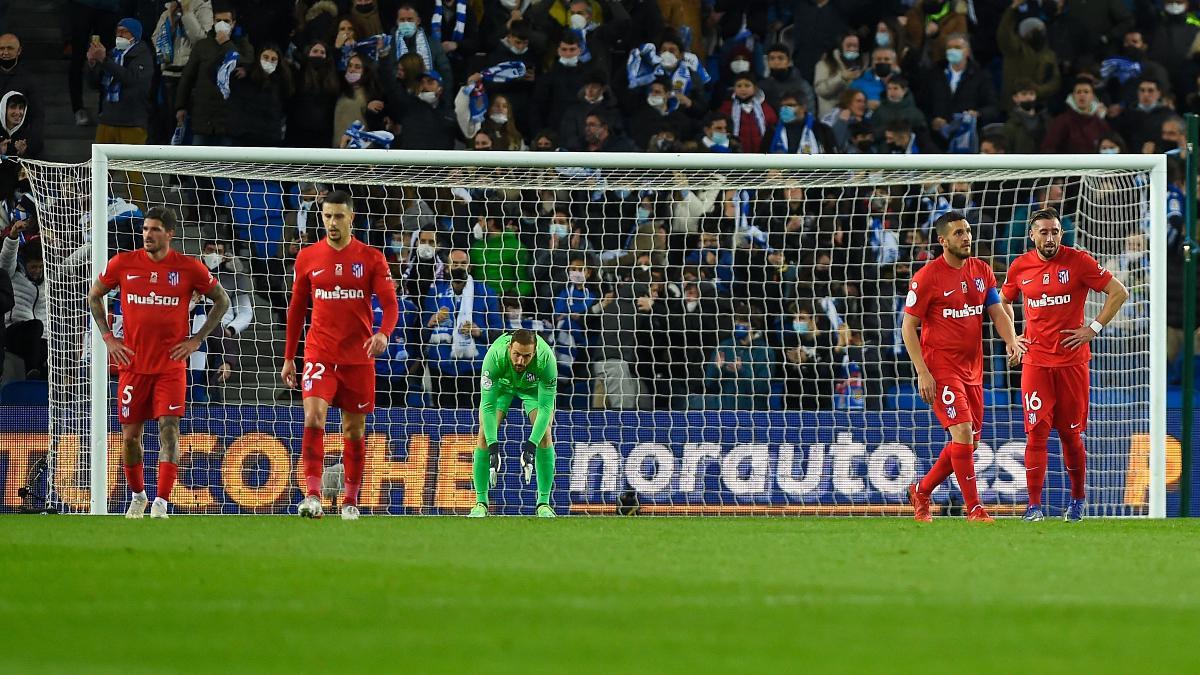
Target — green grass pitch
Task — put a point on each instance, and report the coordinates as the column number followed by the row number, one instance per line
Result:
column 597, row 595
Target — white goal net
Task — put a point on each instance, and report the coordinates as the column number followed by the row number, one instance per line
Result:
column 726, row 328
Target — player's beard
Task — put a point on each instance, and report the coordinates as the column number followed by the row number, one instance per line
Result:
column 1048, row 250
column 962, row 253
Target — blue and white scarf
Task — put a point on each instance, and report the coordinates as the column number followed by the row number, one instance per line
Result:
column 808, row 140
column 477, row 101
column 742, row 199
column 1121, row 68
column 225, row 72
column 460, row 21
column 420, row 43
column 689, row 67
column 164, row 43
column 961, row 134
column 736, row 111
column 111, row 85
column 585, row 54
column 884, row 242
column 643, row 65
column 506, row 71
column 368, row 48
column 360, row 138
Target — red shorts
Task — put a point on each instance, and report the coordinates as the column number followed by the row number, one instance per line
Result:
column 142, row 397
column 1057, row 396
column 349, row 387
column 955, row 402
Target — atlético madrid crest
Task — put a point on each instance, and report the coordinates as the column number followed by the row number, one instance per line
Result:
column 357, row 270
column 173, row 278
column 979, row 284
column 1064, row 276
column 951, row 412
column 1032, row 419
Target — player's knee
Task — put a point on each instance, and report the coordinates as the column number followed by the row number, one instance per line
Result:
column 1071, row 439
column 1039, row 434
column 962, row 433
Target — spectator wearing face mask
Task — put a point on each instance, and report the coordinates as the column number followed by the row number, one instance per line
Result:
column 258, row 96
column 517, row 46
column 16, row 76
column 929, row 22
column 424, row 266
column 498, row 16
column 460, row 318
column 563, row 240
column 599, row 24
column 1027, row 56
column 1027, row 121
column 123, row 78
column 1143, row 120
column 873, row 82
column 1172, row 35
column 959, row 87
column 455, row 25
column 310, row 110
column 785, row 78
column 203, row 96
column 412, row 37
column 835, row 71
column 361, row 99
column 180, row 26
column 594, row 97
column 422, row 117
column 499, row 258
column 599, row 136
column 686, row 74
column 557, row 88
column 659, row 112
column 571, row 308
column 798, row 131
column 738, row 374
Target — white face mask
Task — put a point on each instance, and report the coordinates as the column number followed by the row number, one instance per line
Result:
column 428, row 96
column 575, row 276
column 569, row 61
column 577, row 21
column 353, row 77
column 669, row 60
column 122, row 43
column 1110, row 151
column 692, row 305
column 268, row 66
column 212, row 260
column 425, row 251
column 510, row 4
column 1175, row 8
column 223, row 27
column 740, row 66
column 499, row 118
column 655, row 100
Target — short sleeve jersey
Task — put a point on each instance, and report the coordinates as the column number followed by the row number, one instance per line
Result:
column 155, row 305
column 340, row 285
column 950, row 304
column 1055, row 291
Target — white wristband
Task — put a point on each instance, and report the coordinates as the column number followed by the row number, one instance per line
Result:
column 1096, row 327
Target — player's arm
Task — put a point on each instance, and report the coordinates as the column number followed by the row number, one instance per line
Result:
column 116, row 346
column 547, row 393
column 296, row 313
column 912, row 342
column 385, row 292
column 1002, row 318
column 1116, row 294
column 220, row 300
column 489, row 391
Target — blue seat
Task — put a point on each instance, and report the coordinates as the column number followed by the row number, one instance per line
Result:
column 25, row 392
column 903, row 397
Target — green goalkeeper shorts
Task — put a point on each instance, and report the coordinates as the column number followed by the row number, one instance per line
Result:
column 528, row 402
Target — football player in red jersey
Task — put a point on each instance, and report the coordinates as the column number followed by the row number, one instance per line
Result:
column 337, row 276
column 1055, row 280
column 157, row 283
column 946, row 301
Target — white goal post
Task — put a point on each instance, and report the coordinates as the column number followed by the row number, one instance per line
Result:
column 672, row 469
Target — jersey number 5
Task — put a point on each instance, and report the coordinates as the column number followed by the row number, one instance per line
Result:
column 314, row 371
column 127, row 394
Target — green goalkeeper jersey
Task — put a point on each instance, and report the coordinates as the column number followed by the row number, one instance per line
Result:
column 499, row 382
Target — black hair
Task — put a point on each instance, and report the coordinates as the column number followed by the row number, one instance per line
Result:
column 340, row 197
column 942, row 224
column 163, row 215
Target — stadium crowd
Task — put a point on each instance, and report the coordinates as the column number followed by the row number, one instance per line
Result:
column 655, row 298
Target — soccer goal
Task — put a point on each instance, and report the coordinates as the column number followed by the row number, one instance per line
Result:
column 726, row 326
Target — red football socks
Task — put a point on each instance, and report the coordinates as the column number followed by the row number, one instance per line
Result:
column 1035, row 463
column 353, row 452
column 962, row 455
column 1075, row 461
column 167, row 473
column 312, row 454
column 135, row 477
column 939, row 472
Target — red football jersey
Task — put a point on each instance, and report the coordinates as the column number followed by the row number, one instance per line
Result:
column 950, row 304
column 339, row 285
column 155, row 304
column 1055, row 291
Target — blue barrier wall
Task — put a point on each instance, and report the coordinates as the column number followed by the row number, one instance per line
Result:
column 246, row 459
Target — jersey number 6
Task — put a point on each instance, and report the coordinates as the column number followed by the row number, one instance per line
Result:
column 947, row 396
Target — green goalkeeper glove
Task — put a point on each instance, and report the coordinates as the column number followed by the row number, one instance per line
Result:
column 527, row 459
column 493, row 464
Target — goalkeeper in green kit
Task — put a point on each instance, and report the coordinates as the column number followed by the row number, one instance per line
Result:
column 517, row 364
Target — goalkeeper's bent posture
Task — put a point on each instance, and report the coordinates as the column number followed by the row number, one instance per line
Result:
column 517, row 364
